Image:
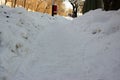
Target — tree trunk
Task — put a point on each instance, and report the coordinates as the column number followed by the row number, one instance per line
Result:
column 74, row 10
column 5, row 2
column 24, row 3
column 14, row 3
column 106, row 4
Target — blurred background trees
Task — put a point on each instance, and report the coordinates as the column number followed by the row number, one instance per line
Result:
column 43, row 6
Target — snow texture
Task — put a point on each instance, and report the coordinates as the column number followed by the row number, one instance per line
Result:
column 36, row 46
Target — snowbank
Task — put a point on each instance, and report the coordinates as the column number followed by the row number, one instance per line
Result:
column 35, row 46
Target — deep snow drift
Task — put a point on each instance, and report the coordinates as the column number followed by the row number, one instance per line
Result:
column 36, row 46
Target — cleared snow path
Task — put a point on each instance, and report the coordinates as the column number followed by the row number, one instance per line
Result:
column 57, row 56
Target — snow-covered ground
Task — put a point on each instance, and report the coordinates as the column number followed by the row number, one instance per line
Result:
column 35, row 46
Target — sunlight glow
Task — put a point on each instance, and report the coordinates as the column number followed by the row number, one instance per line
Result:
column 68, row 5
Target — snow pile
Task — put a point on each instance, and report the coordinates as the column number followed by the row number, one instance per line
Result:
column 35, row 46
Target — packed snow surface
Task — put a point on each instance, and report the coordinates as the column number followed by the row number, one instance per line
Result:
column 36, row 46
